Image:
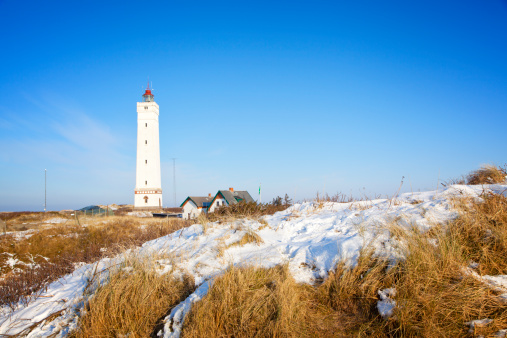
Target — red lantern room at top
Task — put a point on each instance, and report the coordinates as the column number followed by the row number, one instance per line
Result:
column 148, row 96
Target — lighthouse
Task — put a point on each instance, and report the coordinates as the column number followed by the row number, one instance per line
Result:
column 148, row 192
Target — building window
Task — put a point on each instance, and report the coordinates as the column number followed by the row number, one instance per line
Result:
column 145, row 161
column 145, row 141
column 145, row 182
column 145, row 199
column 146, row 124
column 145, row 107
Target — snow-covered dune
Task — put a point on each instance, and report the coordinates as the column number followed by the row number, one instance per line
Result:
column 311, row 237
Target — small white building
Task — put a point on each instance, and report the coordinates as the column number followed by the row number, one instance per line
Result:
column 194, row 205
column 228, row 197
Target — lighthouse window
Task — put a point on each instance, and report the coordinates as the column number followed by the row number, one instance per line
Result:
column 145, row 182
column 146, row 124
column 145, row 141
column 146, row 161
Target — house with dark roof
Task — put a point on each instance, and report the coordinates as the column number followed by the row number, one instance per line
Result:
column 194, row 205
column 229, row 197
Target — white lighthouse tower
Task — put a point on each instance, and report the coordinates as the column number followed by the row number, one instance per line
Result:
column 148, row 193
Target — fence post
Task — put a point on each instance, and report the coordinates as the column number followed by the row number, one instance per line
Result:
column 77, row 219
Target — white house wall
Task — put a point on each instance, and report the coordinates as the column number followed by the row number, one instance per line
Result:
column 190, row 210
column 217, row 201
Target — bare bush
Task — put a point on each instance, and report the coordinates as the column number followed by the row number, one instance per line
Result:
column 487, row 174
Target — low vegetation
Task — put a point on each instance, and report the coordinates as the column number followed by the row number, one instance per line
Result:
column 437, row 290
column 437, row 293
column 481, row 233
column 249, row 209
column 133, row 302
column 487, row 174
column 33, row 260
column 23, row 220
column 248, row 302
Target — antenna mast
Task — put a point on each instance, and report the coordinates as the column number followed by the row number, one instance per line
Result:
column 174, row 181
column 45, row 188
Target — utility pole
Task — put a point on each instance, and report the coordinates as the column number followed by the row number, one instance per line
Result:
column 45, row 188
column 174, row 181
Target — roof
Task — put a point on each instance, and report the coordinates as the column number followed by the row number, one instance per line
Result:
column 91, row 207
column 148, row 91
column 173, row 210
column 199, row 201
column 233, row 197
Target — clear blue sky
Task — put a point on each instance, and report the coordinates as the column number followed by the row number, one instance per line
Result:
column 303, row 96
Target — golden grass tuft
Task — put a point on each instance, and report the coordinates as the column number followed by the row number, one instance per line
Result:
column 133, row 302
column 247, row 302
column 435, row 296
column 250, row 237
column 204, row 221
column 481, row 232
column 487, row 174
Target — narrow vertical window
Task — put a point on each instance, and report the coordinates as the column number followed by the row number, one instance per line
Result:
column 146, row 124
column 145, row 161
column 145, row 141
column 145, row 182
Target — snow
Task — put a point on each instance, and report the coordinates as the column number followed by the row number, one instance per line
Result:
column 177, row 315
column 140, row 214
column 312, row 237
column 478, row 323
column 386, row 304
column 56, row 220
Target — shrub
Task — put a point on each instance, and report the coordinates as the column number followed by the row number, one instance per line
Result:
column 245, row 209
column 487, row 174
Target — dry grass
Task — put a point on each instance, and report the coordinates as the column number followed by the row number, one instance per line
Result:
column 250, row 237
column 204, row 221
column 244, row 210
column 481, row 232
column 54, row 250
column 435, row 295
column 487, row 174
column 23, row 220
column 133, row 302
column 248, row 302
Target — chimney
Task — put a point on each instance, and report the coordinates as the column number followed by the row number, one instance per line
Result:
column 231, row 189
column 209, row 195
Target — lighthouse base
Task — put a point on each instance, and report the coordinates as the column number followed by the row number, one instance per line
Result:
column 148, row 199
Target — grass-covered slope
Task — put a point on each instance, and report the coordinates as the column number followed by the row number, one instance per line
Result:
column 421, row 264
